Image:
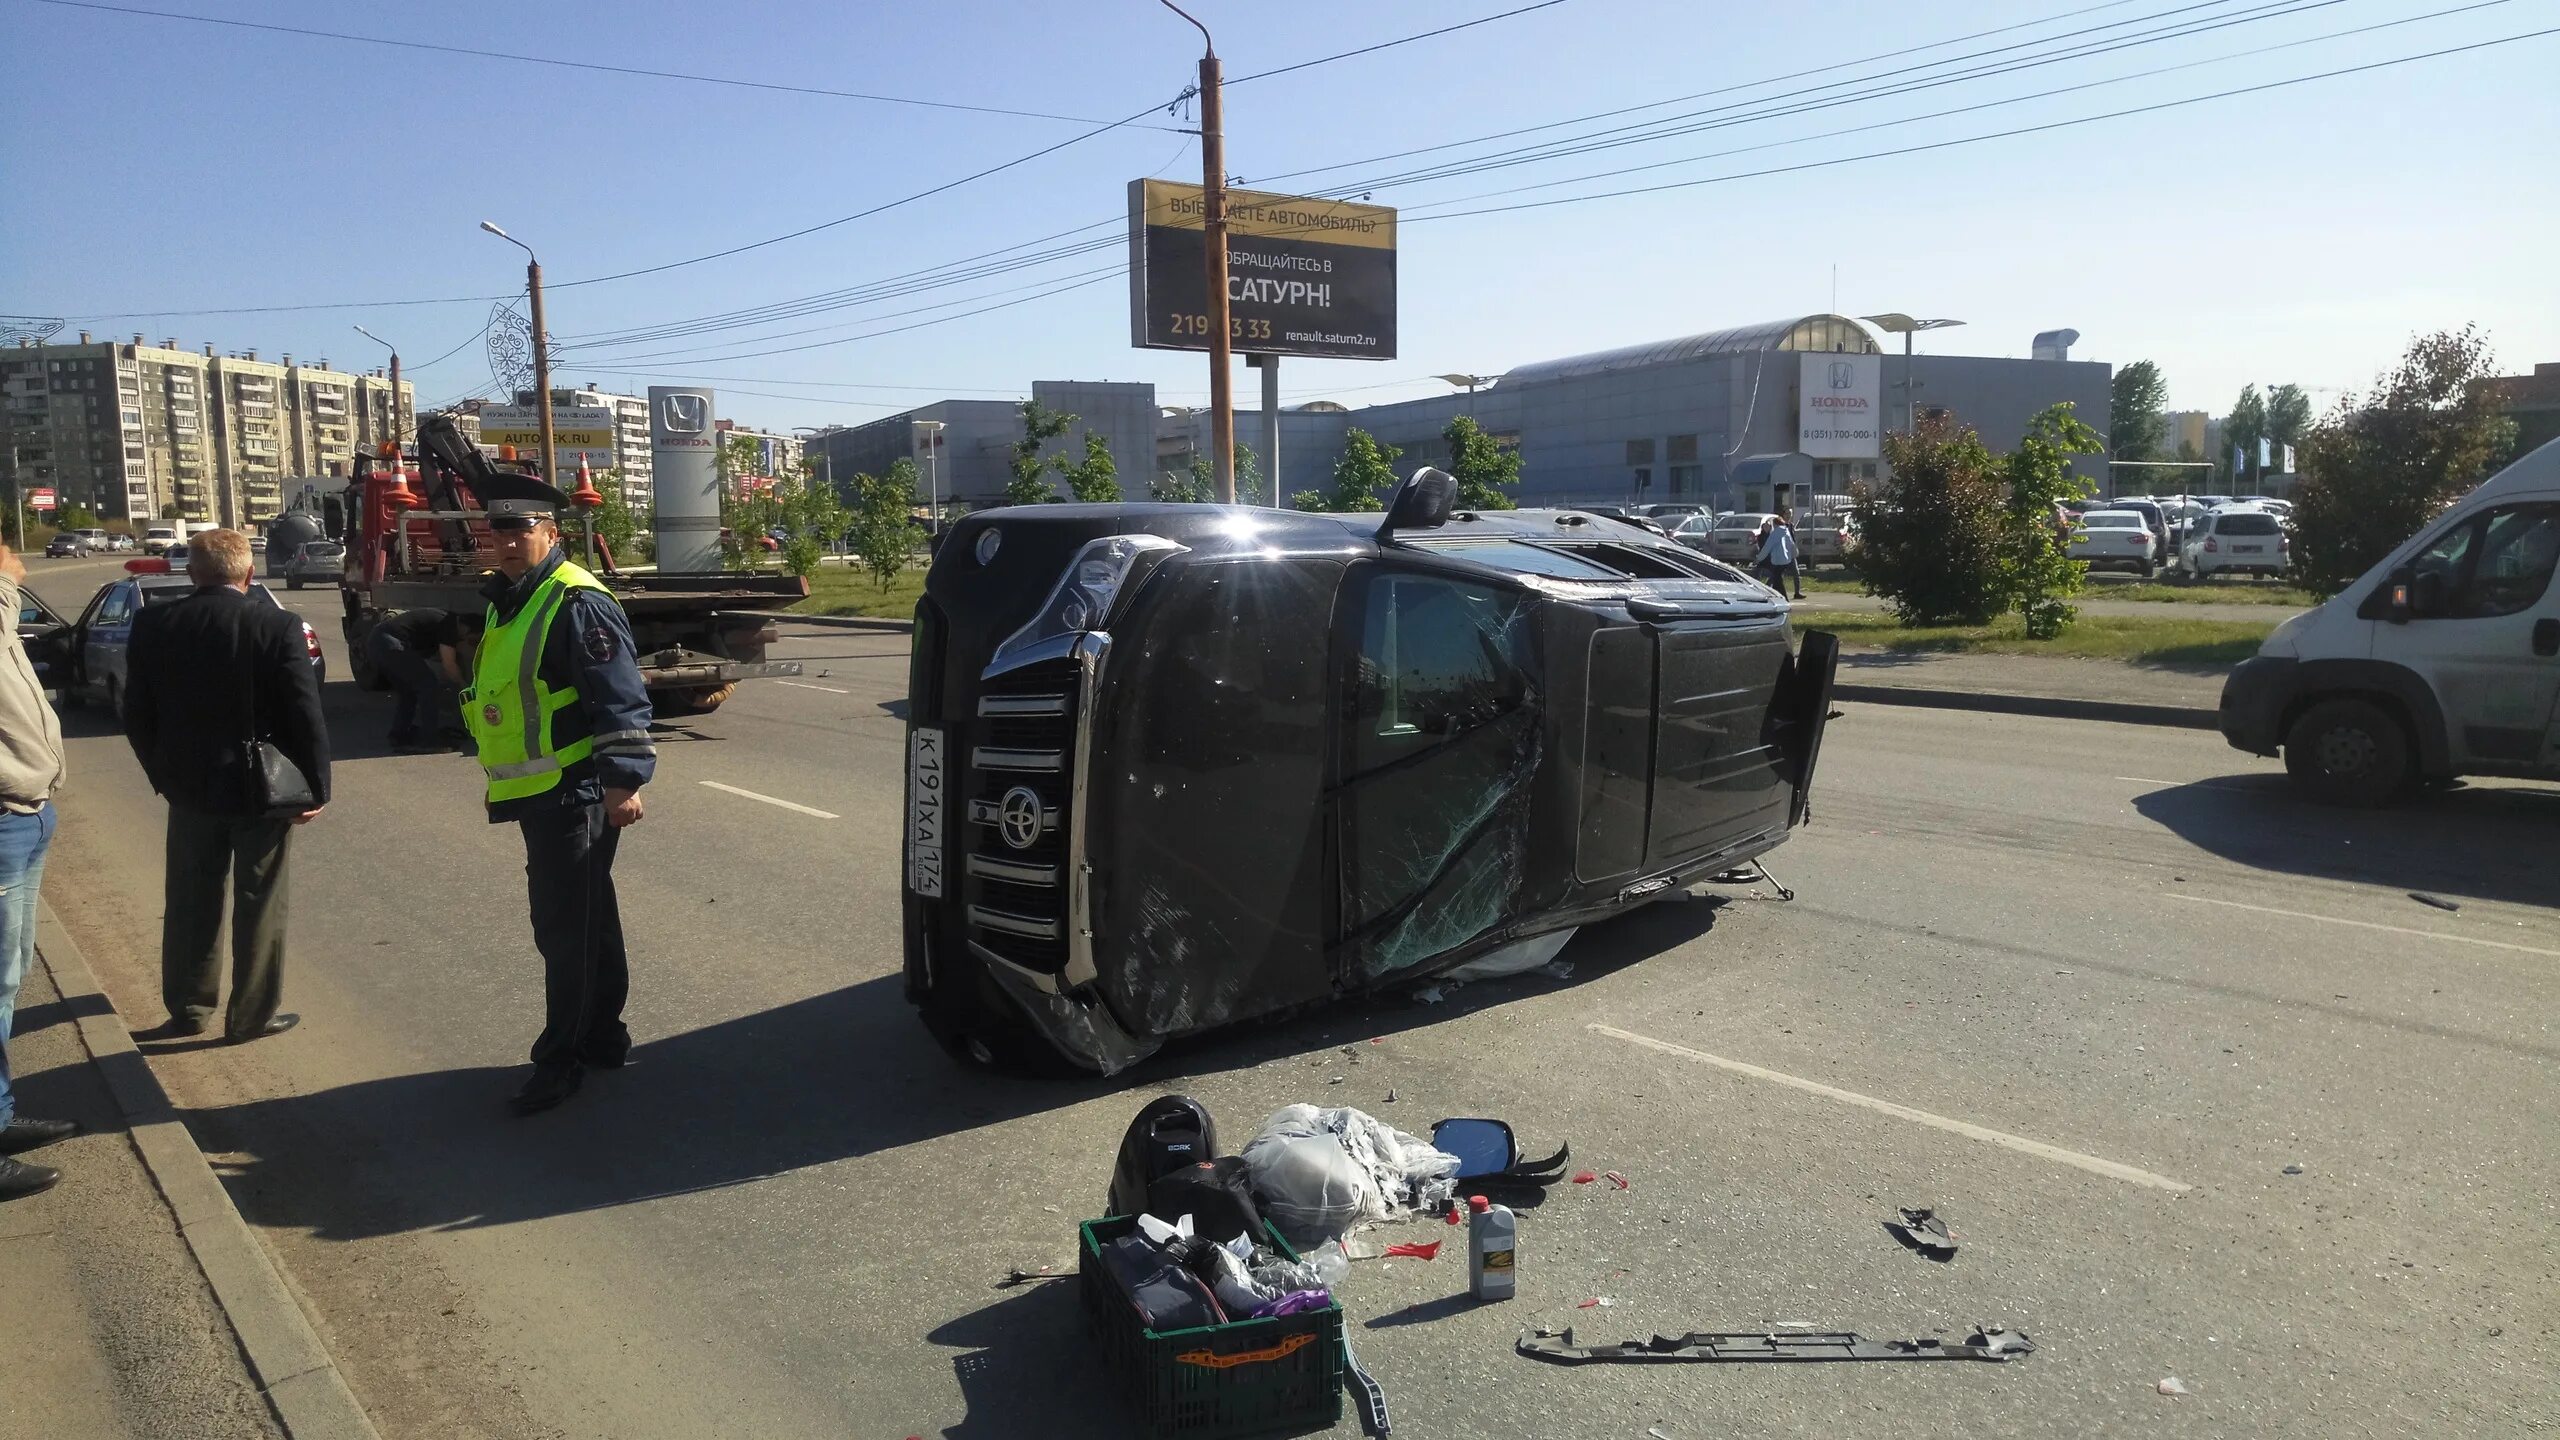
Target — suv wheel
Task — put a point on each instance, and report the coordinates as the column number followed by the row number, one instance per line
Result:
column 2348, row 752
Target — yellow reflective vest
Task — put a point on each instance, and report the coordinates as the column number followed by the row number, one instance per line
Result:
column 509, row 705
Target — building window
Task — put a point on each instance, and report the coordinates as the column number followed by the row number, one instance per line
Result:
column 1640, row 452
column 1683, row 450
column 1685, row 479
column 1644, row 477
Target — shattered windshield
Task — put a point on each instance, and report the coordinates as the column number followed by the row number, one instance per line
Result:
column 1525, row 559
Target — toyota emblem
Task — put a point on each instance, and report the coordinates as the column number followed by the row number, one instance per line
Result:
column 1021, row 817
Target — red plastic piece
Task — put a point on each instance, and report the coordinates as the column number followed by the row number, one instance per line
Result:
column 1621, row 1181
column 1584, row 1177
column 1418, row 1252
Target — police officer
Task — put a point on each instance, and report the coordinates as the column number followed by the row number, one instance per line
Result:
column 560, row 717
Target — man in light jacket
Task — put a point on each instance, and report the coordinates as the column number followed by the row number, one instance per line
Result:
column 31, row 769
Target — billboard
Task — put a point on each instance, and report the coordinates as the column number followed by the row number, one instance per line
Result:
column 1839, row 409
column 580, row 433
column 1304, row 276
column 40, row 500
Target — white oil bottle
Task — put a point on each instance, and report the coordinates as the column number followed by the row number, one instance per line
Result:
column 1493, row 1248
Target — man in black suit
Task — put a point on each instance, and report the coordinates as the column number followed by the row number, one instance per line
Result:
column 204, row 676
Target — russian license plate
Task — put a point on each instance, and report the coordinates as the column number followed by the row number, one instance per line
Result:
column 2248, row 549
column 927, row 782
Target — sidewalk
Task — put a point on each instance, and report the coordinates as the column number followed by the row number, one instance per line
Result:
column 107, row 1327
column 2184, row 696
column 134, row 1300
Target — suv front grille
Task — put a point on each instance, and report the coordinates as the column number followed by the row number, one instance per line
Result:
column 1022, row 748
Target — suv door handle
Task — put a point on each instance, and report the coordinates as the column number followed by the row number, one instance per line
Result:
column 2546, row 637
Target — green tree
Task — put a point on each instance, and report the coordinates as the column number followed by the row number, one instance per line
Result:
column 2381, row 465
column 615, row 522
column 747, row 509
column 1248, row 477
column 74, row 517
column 2041, row 573
column 1483, row 466
column 1030, row 483
column 1929, row 531
column 2288, row 420
column 1194, row 486
column 883, row 523
column 817, row 517
column 1094, row 479
column 1363, row 476
column 2243, row 428
column 2135, row 406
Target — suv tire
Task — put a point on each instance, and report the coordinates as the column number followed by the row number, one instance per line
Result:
column 2349, row 752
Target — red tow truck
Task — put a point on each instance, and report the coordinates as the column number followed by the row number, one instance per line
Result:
column 418, row 536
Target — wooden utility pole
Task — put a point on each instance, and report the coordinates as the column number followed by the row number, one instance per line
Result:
column 541, row 371
column 1213, row 237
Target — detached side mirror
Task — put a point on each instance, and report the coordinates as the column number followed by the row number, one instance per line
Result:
column 1483, row 1147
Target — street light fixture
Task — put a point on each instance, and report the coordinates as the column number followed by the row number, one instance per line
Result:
column 541, row 366
column 929, row 433
column 1894, row 322
column 399, row 432
column 1469, row 382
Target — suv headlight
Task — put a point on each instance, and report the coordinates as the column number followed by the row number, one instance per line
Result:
column 1083, row 597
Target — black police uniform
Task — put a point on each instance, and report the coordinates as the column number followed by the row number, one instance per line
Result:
column 403, row 649
column 568, row 846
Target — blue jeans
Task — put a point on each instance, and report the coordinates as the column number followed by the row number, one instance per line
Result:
column 23, row 841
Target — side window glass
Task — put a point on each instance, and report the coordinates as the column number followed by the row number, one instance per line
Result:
column 117, row 608
column 1437, row 659
column 2437, row 570
column 2517, row 550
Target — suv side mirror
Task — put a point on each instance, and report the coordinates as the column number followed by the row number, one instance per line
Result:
column 2426, row 595
column 1423, row 502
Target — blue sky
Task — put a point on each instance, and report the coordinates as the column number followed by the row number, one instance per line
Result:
column 2300, row 234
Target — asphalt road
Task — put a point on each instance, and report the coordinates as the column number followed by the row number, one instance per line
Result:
column 2088, row 989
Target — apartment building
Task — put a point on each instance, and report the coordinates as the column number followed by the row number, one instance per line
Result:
column 136, row 431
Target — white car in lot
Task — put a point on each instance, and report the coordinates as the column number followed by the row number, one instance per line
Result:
column 2118, row 538
column 2241, row 540
column 1735, row 538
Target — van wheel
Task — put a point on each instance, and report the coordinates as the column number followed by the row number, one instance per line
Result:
column 2348, row 752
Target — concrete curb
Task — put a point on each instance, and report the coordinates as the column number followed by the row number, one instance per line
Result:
column 848, row 622
column 2121, row 712
column 293, row 1369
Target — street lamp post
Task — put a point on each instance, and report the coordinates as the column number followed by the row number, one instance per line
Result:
column 541, row 350
column 1896, row 323
column 1470, row 382
column 930, row 432
column 398, row 432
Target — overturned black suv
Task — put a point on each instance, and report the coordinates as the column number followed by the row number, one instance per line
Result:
column 1175, row 766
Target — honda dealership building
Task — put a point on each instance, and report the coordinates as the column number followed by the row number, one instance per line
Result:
column 1736, row 419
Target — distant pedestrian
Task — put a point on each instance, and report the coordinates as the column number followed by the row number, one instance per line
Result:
column 561, row 717
column 31, row 769
column 206, row 678
column 1778, row 555
column 419, row 653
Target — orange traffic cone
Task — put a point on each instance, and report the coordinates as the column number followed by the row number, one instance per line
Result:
column 397, row 494
column 586, row 496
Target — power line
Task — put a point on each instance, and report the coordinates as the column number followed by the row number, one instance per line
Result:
column 1983, row 105
column 573, row 354
column 1391, row 44
column 1671, row 126
column 557, row 62
column 1993, row 135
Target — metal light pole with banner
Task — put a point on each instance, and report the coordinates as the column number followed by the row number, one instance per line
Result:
column 541, row 350
column 1894, row 322
column 928, row 433
column 1305, row 276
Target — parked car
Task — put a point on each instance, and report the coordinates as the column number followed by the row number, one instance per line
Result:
column 36, row 621
column 2443, row 660
column 87, row 657
column 2154, row 519
column 2114, row 539
column 315, row 561
column 1827, row 539
column 122, row 540
column 1669, row 512
column 65, row 546
column 1619, row 513
column 2236, row 539
column 1736, row 537
column 96, row 537
column 1693, row 532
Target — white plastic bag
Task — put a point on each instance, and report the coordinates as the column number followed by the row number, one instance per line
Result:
column 1320, row 1174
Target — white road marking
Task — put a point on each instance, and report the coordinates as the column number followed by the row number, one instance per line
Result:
column 769, row 800
column 2370, row 925
column 2178, row 784
column 2113, row 1170
column 802, row 685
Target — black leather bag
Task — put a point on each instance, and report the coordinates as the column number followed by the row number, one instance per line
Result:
column 277, row 787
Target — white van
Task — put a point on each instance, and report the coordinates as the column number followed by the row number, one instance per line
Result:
column 2442, row 661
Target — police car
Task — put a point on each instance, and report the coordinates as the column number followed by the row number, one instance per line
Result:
column 87, row 659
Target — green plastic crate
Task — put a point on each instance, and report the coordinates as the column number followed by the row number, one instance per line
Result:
column 1247, row 1377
